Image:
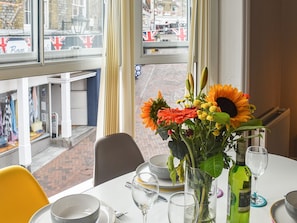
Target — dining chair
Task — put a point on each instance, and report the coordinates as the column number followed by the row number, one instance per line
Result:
column 20, row 195
column 115, row 155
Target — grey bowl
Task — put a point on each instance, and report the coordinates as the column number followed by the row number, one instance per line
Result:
column 158, row 166
column 291, row 203
column 76, row 208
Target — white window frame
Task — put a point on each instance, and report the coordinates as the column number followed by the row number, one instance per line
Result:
column 29, row 64
column 140, row 57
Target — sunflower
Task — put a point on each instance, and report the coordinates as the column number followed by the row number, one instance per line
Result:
column 150, row 109
column 231, row 101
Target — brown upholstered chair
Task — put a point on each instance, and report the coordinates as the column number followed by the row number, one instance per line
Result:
column 115, row 155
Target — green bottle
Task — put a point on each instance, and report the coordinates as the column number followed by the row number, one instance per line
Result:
column 239, row 188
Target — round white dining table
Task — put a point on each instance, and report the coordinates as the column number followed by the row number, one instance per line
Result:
column 279, row 178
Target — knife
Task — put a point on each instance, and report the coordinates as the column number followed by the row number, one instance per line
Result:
column 160, row 197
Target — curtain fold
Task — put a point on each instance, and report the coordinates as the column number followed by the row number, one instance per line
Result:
column 203, row 36
column 116, row 97
column 128, row 78
column 198, row 53
column 108, row 106
column 192, row 38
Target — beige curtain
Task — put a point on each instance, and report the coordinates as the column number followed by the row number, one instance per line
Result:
column 199, row 38
column 192, row 38
column 116, row 98
column 127, row 123
column 203, row 35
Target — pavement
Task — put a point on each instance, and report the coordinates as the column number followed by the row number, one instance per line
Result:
column 65, row 168
column 60, row 169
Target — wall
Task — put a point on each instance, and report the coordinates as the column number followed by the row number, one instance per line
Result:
column 273, row 56
column 265, row 54
column 231, row 42
column 270, row 56
column 78, row 103
column 255, row 66
column 289, row 66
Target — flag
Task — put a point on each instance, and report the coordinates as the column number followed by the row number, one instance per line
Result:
column 149, row 36
column 57, row 42
column 3, row 44
column 181, row 33
column 87, row 41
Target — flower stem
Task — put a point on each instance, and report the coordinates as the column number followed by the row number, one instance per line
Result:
column 201, row 204
column 189, row 149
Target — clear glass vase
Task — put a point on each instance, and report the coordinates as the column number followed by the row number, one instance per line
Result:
column 204, row 187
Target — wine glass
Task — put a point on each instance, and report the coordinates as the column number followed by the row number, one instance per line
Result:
column 183, row 207
column 257, row 159
column 145, row 191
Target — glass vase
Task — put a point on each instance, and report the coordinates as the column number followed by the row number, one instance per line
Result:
column 204, row 187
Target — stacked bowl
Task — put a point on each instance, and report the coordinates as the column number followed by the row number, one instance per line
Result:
column 76, row 208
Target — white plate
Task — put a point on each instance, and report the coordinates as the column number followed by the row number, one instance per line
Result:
column 279, row 213
column 43, row 215
column 163, row 184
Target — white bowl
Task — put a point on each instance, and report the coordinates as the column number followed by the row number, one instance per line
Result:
column 158, row 166
column 291, row 204
column 76, row 208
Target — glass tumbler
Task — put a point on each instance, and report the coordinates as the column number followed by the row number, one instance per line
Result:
column 183, row 207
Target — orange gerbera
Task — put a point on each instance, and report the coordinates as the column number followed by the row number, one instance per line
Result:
column 175, row 115
column 231, row 101
column 150, row 109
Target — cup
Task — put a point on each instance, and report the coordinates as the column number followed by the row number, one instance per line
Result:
column 183, row 207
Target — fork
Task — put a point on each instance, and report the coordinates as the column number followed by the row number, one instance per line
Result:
column 119, row 214
column 161, row 198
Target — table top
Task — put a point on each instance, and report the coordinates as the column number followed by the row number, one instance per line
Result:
column 278, row 179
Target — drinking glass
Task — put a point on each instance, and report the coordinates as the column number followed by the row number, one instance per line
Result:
column 145, row 191
column 257, row 159
column 183, row 207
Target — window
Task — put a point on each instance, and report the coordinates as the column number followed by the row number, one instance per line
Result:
column 42, row 35
column 162, row 36
column 27, row 12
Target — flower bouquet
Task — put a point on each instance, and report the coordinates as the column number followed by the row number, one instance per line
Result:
column 201, row 130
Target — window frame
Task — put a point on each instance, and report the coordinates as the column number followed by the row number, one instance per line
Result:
column 140, row 57
column 35, row 63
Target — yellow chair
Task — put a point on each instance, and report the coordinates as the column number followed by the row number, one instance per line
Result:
column 20, row 195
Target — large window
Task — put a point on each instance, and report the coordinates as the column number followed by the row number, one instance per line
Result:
column 162, row 28
column 40, row 35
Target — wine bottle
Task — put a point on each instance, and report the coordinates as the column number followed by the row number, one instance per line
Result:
column 239, row 188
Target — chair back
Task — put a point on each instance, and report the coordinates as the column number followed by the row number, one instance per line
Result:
column 115, row 155
column 20, row 195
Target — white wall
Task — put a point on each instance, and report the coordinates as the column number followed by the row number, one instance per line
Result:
column 79, row 112
column 231, row 42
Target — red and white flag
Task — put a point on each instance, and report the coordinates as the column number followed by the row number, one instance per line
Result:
column 57, row 42
column 87, row 41
column 181, row 33
column 3, row 44
column 149, row 36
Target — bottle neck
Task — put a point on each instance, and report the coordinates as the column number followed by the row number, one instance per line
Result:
column 240, row 153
